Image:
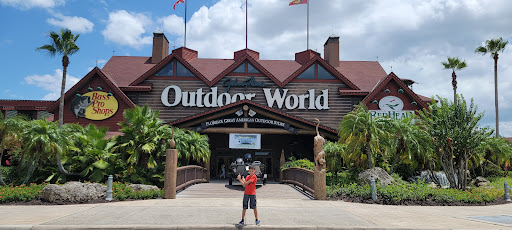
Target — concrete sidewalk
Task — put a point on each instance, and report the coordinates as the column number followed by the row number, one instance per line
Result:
column 223, row 213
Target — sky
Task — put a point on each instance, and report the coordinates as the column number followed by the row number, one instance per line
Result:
column 408, row 37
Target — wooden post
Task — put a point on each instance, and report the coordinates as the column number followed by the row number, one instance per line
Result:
column 208, row 170
column 171, row 169
column 281, row 163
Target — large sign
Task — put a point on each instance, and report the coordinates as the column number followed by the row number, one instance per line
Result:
column 392, row 107
column 95, row 105
column 244, row 141
column 173, row 95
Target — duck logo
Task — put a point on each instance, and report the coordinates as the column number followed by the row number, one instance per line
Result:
column 95, row 105
column 391, row 103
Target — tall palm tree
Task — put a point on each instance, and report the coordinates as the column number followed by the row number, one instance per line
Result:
column 454, row 63
column 362, row 133
column 493, row 47
column 62, row 43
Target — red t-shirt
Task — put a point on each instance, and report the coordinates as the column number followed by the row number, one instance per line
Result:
column 250, row 189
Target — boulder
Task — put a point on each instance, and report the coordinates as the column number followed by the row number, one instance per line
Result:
column 73, row 192
column 378, row 173
column 432, row 185
column 142, row 187
column 482, row 182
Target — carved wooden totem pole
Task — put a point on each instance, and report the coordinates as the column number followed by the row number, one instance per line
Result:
column 320, row 174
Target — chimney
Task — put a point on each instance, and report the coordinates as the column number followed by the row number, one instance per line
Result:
column 160, row 46
column 332, row 50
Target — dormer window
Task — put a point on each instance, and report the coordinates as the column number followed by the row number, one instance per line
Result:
column 174, row 69
column 316, row 72
column 246, row 67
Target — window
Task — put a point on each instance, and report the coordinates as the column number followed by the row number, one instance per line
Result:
column 246, row 67
column 175, row 69
column 317, row 72
column 167, row 71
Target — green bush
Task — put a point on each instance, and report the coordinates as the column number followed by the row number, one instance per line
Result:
column 20, row 193
column 343, row 177
column 301, row 163
column 121, row 192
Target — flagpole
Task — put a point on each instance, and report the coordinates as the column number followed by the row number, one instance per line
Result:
column 246, row 25
column 185, row 44
column 308, row 29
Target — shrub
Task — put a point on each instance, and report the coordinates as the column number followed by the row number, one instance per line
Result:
column 121, row 192
column 301, row 163
column 20, row 193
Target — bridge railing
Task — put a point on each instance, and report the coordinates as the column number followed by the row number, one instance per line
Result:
column 303, row 178
column 189, row 175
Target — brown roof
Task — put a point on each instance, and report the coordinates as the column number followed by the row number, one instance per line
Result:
column 364, row 74
column 509, row 139
column 25, row 104
column 124, row 70
column 211, row 68
column 281, row 69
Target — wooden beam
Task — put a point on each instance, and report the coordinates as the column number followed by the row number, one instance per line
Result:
column 254, row 130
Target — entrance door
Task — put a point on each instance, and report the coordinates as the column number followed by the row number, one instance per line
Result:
column 267, row 161
column 222, row 162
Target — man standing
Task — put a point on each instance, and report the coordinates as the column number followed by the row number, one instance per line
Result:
column 249, row 184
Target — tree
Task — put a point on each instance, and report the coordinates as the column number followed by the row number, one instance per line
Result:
column 362, row 133
column 62, row 43
column 456, row 135
column 142, row 139
column 493, row 152
column 10, row 129
column 454, row 63
column 41, row 140
column 493, row 47
column 334, row 152
column 410, row 142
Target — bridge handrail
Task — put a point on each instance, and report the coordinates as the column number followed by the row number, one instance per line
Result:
column 189, row 175
column 304, row 178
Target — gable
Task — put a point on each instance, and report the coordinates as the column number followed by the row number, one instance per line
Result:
column 392, row 96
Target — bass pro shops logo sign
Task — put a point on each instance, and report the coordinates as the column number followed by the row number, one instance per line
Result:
column 95, row 105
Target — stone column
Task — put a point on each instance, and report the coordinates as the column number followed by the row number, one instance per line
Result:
column 171, row 169
column 281, row 163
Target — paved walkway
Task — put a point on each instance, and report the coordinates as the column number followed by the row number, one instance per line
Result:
column 220, row 211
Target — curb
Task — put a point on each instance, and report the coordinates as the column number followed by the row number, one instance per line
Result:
column 190, row 227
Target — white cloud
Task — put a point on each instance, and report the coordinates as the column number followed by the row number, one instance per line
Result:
column 128, row 29
column 51, row 83
column 172, row 24
column 28, row 4
column 74, row 23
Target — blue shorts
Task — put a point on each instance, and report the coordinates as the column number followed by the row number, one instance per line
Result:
column 246, row 200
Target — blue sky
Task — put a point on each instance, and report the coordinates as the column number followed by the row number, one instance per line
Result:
column 410, row 38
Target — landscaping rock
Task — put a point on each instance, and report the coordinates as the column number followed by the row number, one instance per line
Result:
column 378, row 173
column 432, row 185
column 143, row 187
column 482, row 182
column 73, row 192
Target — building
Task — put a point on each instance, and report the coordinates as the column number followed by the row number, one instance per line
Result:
column 245, row 104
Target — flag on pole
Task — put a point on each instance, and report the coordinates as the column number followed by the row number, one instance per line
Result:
column 182, row 1
column 297, row 2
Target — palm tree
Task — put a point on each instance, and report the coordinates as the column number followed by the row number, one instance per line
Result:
column 10, row 129
column 454, row 63
column 143, row 135
column 62, row 43
column 410, row 142
column 493, row 47
column 41, row 140
column 362, row 133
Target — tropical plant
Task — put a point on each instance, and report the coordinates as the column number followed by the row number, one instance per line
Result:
column 493, row 47
column 10, row 129
column 411, row 143
column 42, row 140
column 363, row 135
column 62, row 43
column 93, row 151
column 299, row 163
column 494, row 151
column 142, row 139
column 454, row 63
column 191, row 145
column 334, row 152
column 456, row 136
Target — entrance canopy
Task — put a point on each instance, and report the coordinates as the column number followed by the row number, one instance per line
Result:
column 249, row 117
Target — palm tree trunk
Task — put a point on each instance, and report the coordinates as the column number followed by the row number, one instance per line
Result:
column 454, row 84
column 496, row 95
column 61, row 167
column 368, row 155
column 65, row 63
